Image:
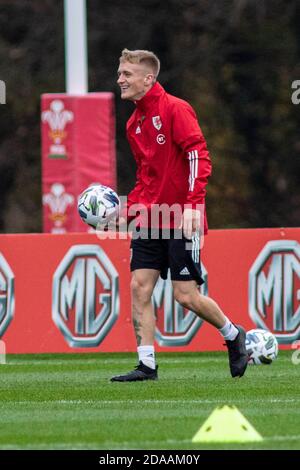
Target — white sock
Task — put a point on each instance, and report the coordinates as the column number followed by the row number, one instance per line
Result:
column 229, row 331
column 147, row 356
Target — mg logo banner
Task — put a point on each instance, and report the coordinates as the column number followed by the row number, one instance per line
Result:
column 85, row 296
column 175, row 325
column 7, row 295
column 274, row 290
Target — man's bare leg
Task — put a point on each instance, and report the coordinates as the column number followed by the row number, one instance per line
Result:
column 142, row 285
column 188, row 295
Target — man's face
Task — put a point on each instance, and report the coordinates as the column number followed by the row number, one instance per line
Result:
column 134, row 80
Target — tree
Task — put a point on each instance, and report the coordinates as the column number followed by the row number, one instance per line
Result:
column 234, row 61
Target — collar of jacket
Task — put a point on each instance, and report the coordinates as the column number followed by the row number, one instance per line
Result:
column 150, row 97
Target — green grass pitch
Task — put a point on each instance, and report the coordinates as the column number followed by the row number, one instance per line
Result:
column 67, row 401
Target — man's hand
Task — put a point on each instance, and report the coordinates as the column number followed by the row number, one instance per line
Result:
column 190, row 222
column 121, row 223
column 113, row 225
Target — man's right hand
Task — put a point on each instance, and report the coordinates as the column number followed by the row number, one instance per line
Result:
column 121, row 223
column 114, row 225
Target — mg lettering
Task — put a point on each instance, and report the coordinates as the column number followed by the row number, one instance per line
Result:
column 85, row 296
column 274, row 290
column 175, row 325
column 7, row 295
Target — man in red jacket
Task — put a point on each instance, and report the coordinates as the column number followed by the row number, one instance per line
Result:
column 173, row 166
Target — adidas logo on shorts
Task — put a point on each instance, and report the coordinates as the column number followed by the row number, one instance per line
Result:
column 184, row 271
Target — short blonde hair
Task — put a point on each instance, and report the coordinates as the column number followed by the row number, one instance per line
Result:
column 142, row 57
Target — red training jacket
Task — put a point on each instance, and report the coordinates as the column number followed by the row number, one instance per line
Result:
column 173, row 163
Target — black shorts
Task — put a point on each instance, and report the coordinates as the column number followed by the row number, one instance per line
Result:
column 181, row 256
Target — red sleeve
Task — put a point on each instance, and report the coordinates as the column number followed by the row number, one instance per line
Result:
column 188, row 135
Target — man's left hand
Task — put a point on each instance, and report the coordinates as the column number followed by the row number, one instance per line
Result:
column 190, row 222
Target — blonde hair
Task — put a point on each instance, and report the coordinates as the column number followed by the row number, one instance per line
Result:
column 142, row 57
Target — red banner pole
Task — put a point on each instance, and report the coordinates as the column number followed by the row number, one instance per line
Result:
column 78, row 148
